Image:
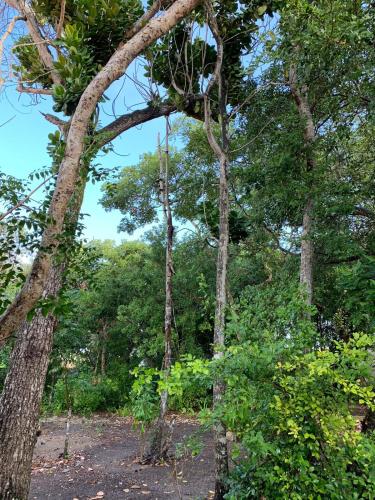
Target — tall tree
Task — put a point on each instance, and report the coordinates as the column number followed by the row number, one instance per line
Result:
column 160, row 434
column 27, row 373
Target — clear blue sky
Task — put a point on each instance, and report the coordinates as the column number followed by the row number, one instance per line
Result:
column 23, row 142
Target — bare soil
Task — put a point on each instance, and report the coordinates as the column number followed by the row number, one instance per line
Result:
column 104, row 462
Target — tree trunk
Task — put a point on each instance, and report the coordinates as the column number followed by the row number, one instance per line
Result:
column 24, row 384
column 103, row 350
column 160, row 439
column 307, row 252
column 67, row 433
column 221, row 447
column 21, row 398
column 221, row 151
column 300, row 96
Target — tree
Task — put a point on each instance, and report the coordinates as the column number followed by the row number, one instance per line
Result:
column 27, row 373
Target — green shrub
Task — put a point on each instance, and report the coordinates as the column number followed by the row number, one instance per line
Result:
column 293, row 415
column 86, row 393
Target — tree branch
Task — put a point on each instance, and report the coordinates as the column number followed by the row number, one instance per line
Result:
column 22, row 202
column 142, row 21
column 31, row 90
column 124, row 122
column 55, row 120
column 61, row 20
column 37, row 37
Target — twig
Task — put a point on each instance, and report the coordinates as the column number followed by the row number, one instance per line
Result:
column 22, row 202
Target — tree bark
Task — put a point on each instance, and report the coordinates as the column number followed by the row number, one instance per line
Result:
column 160, row 438
column 307, row 252
column 103, row 349
column 300, row 96
column 68, row 175
column 21, row 398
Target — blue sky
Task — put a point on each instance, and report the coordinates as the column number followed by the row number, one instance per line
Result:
column 23, row 142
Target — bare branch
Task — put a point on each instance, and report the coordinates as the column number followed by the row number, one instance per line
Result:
column 212, row 22
column 142, row 21
column 61, row 124
column 124, row 122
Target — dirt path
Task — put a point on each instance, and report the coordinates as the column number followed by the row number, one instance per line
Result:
column 103, row 463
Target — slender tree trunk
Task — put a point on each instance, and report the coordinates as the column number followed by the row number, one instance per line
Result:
column 68, row 400
column 221, row 445
column 103, row 350
column 300, row 96
column 307, row 252
column 221, row 151
column 21, row 398
column 67, row 433
column 160, row 439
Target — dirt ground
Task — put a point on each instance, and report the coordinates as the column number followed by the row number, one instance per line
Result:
column 104, row 463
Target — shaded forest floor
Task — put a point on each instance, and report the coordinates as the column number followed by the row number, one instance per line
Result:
column 104, row 463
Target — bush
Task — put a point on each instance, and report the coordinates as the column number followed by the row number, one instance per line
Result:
column 86, row 393
column 293, row 415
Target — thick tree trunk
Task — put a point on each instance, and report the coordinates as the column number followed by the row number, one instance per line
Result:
column 160, row 438
column 300, row 96
column 21, row 398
